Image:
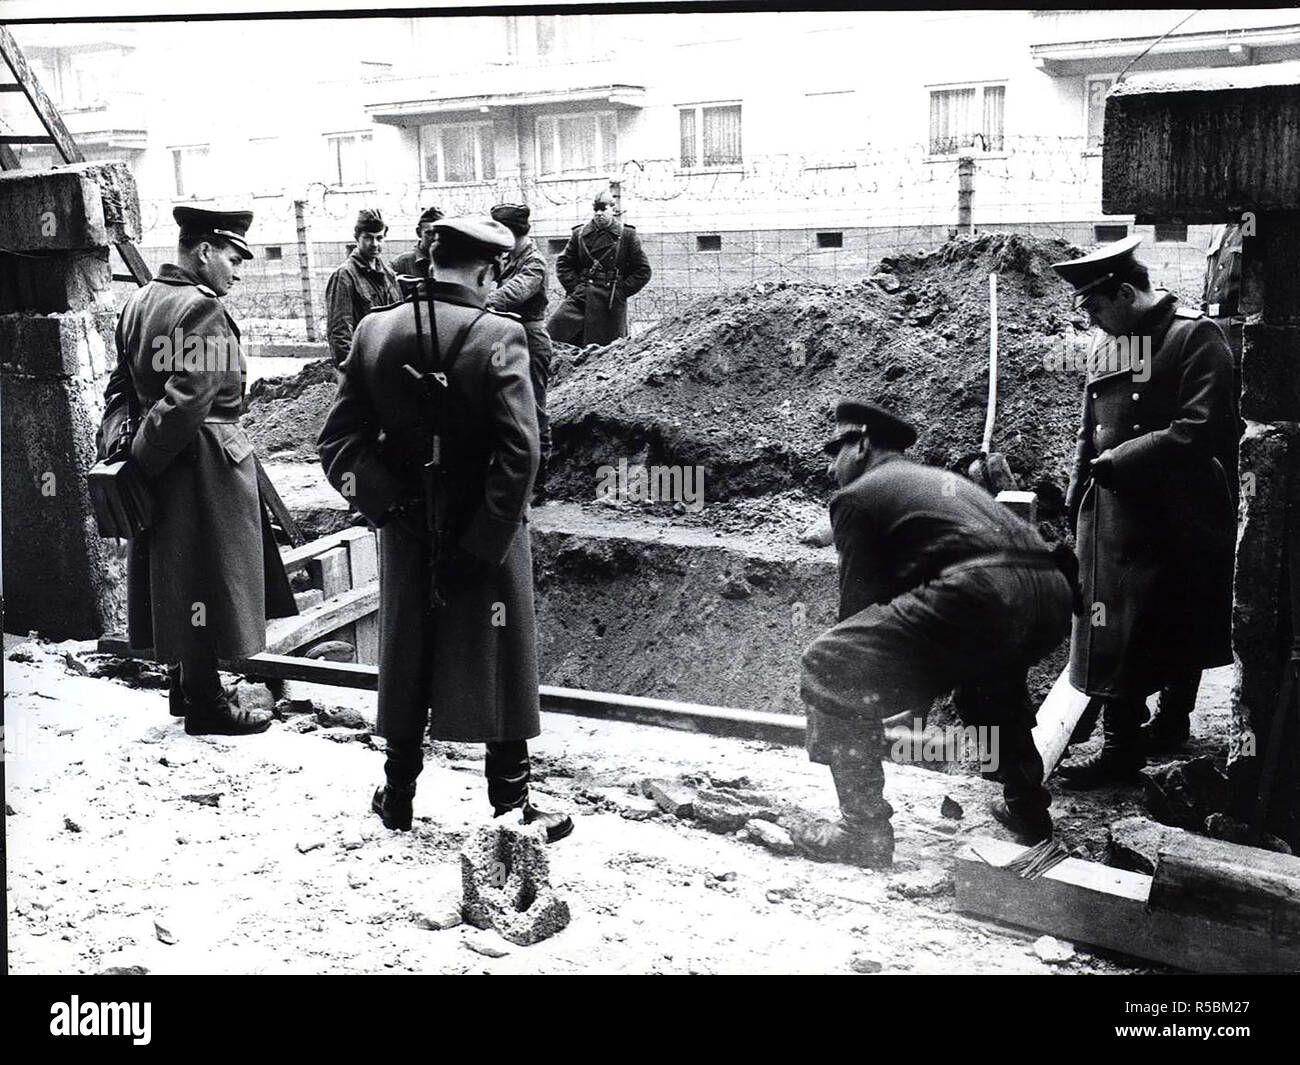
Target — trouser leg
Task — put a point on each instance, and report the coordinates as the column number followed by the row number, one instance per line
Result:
column 1003, row 715
column 508, row 771
column 200, row 681
column 403, row 764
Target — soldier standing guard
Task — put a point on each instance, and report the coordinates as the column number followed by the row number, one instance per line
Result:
column 361, row 284
column 521, row 290
column 601, row 268
column 941, row 587
column 415, row 263
column 1150, row 500
column 462, row 660
column 205, row 576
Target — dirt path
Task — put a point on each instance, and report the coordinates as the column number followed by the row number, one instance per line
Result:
column 108, row 857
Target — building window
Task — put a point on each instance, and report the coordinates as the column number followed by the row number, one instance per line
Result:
column 190, row 170
column 560, row 37
column 1171, row 233
column 710, row 135
column 830, row 240
column 577, row 144
column 1094, row 118
column 1108, row 234
column 970, row 116
column 349, row 158
column 708, row 242
column 458, row 154
column 273, row 253
column 264, row 164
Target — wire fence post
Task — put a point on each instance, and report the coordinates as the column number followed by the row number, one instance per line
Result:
column 306, row 269
column 965, row 194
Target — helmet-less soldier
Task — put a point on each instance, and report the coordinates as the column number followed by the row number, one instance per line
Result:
column 601, row 268
column 203, row 579
column 941, row 587
column 433, row 436
column 1151, row 501
column 361, row 283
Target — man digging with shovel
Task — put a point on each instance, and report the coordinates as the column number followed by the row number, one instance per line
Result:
column 941, row 588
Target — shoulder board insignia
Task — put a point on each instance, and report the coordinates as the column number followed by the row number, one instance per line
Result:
column 505, row 314
column 1188, row 312
column 205, row 290
column 628, row 225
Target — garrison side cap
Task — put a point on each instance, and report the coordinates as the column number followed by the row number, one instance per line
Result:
column 1097, row 267
column 885, row 428
column 230, row 226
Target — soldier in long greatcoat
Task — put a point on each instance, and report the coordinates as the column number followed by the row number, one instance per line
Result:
column 203, row 579
column 601, row 268
column 1151, row 498
column 465, row 669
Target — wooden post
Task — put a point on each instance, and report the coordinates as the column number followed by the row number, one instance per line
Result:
column 965, row 194
column 306, row 269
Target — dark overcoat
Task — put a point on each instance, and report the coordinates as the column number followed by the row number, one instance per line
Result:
column 595, row 263
column 473, row 661
column 1156, row 548
column 207, row 571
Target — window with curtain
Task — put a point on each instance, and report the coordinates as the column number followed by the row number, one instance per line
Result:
column 458, row 154
column 710, row 135
column 190, row 171
column 349, row 158
column 967, row 117
column 584, row 143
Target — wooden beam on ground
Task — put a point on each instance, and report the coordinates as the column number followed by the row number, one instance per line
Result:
column 296, row 558
column 1057, row 717
column 274, row 504
column 1109, row 908
column 288, row 634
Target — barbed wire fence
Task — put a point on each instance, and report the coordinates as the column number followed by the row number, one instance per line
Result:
column 824, row 218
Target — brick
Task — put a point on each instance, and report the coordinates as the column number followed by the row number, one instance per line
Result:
column 86, row 205
column 673, row 798
column 363, row 556
column 54, row 284
column 330, row 572
column 77, row 344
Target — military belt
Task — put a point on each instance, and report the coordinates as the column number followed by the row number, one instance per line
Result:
column 1021, row 559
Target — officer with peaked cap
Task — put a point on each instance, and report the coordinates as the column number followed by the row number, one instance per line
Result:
column 1150, row 500
column 362, row 283
column 415, row 263
column 203, row 579
column 465, row 668
column 941, row 588
column 521, row 289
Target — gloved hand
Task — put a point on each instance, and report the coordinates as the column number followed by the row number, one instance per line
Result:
column 1103, row 470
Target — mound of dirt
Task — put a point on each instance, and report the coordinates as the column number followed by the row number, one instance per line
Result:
column 285, row 414
column 744, row 383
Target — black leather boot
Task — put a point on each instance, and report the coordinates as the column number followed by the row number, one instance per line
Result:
column 508, row 771
column 1024, row 802
column 393, row 800
column 863, row 835
column 394, row 806
column 1120, row 757
column 1171, row 725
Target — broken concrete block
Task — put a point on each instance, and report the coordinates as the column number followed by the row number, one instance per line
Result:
column 773, row 837
column 487, row 943
column 1185, row 793
column 1134, row 843
column 1270, row 380
column 865, row 964
column 342, row 717
column 1052, row 950
column 505, row 879
column 632, row 807
column 1230, row 830
column 78, row 206
column 923, row 883
column 672, row 797
column 443, row 914
column 951, row 808
column 719, row 812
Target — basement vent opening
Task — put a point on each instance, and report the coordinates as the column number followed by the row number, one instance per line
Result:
column 830, row 240
column 1106, row 234
column 708, row 242
column 274, row 253
column 1170, row 233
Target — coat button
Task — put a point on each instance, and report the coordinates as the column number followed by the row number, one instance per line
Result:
column 1136, row 397
column 1136, row 427
column 1094, row 395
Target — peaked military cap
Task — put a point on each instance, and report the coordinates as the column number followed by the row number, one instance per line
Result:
column 514, row 216
column 886, row 429
column 230, row 226
column 370, row 220
column 1097, row 267
column 487, row 236
column 429, row 214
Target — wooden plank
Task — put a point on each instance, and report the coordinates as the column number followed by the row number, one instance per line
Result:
column 41, row 103
column 314, row 671
column 310, row 598
column 1057, row 717
column 1108, row 908
column 8, row 161
column 135, row 264
column 287, row 634
column 296, row 558
column 367, row 644
column 330, row 573
column 1234, row 885
column 274, row 504
column 363, row 555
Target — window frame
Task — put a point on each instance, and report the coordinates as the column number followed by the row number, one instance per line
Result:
column 564, row 174
column 365, row 136
column 179, row 153
column 700, row 167
column 1088, row 80
column 972, row 150
column 484, row 142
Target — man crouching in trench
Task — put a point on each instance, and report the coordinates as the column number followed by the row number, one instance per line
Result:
column 941, row 588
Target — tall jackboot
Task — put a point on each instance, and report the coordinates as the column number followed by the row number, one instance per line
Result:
column 1121, row 754
column 508, row 772
column 394, row 800
column 1024, row 802
column 1171, row 726
column 863, row 835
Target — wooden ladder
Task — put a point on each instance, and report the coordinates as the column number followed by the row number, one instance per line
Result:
column 56, row 133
